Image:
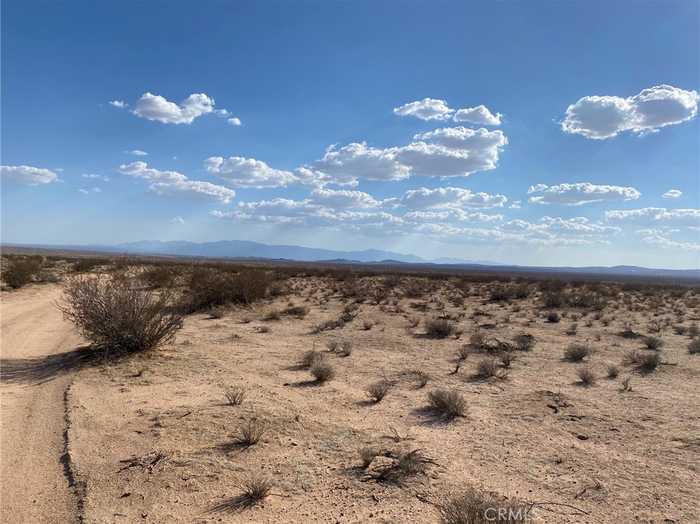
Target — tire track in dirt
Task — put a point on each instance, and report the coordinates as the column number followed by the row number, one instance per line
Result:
column 38, row 485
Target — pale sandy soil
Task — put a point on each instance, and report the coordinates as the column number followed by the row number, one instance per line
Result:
column 35, row 483
column 536, row 436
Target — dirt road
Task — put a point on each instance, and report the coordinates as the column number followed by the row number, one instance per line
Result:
column 35, row 468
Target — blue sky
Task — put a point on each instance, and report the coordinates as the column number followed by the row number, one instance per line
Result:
column 338, row 124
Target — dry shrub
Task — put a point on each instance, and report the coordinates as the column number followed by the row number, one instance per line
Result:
column 524, row 342
column 322, row 371
column 273, row 314
column 309, row 358
column 613, row 371
column 449, row 404
column 296, row 311
column 235, row 395
column 368, row 454
column 644, row 361
column 474, row 507
column 159, row 276
column 576, row 352
column 653, row 343
column 439, row 328
column 209, row 287
column 694, row 346
column 486, row 368
column 553, row 317
column 421, row 378
column 255, row 489
column 404, row 465
column 250, row 432
column 378, row 390
column 118, row 318
column 19, row 272
column 586, row 377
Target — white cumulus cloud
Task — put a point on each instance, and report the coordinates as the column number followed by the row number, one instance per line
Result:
column 423, row 198
column 28, row 175
column 159, row 109
column 426, row 109
column 136, row 152
column 478, row 115
column 234, row 121
column 655, row 217
column 248, row 172
column 173, row 183
column 672, row 193
column 601, row 117
column 580, row 194
column 118, row 103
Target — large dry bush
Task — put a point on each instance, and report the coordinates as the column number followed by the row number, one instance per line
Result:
column 118, row 318
column 19, row 272
column 210, row 287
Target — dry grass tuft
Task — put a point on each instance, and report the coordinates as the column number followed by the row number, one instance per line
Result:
column 473, row 507
column 235, row 395
column 250, row 432
column 439, row 328
column 449, row 404
column 577, row 352
column 322, row 371
column 586, row 377
column 378, row 390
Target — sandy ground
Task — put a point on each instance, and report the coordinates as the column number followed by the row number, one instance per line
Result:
column 35, row 473
column 150, row 440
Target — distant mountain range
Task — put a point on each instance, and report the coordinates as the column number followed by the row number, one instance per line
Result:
column 245, row 249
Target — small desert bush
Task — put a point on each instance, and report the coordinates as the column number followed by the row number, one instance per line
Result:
column 486, row 368
column 85, row 265
column 405, row 464
column 159, row 276
column 118, row 318
column 653, row 343
column 524, row 342
column 586, row 376
column 694, row 346
column 378, row 390
column 322, row 371
column 553, row 317
column 19, row 272
column 506, row 359
column 439, row 328
column 626, row 384
column 577, row 352
column 449, row 404
column 250, row 432
column 255, row 489
column 272, row 314
column 296, row 311
column 235, row 395
column 613, row 371
column 644, row 361
column 210, row 287
column 421, row 378
column 473, row 507
column 309, row 358
column 368, row 454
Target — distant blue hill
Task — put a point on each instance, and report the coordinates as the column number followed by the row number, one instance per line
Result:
column 245, row 249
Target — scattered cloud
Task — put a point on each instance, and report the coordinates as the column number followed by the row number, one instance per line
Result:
column 478, row 115
column 580, row 194
column 234, row 121
column 28, row 175
column 672, row 193
column 172, row 183
column 343, row 199
column 136, row 152
column 118, row 103
column 655, row 217
column 441, row 197
column 238, row 171
column 177, row 220
column 85, row 191
column 426, row 109
column 159, row 109
column 358, row 161
column 602, row 117
column 91, row 176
